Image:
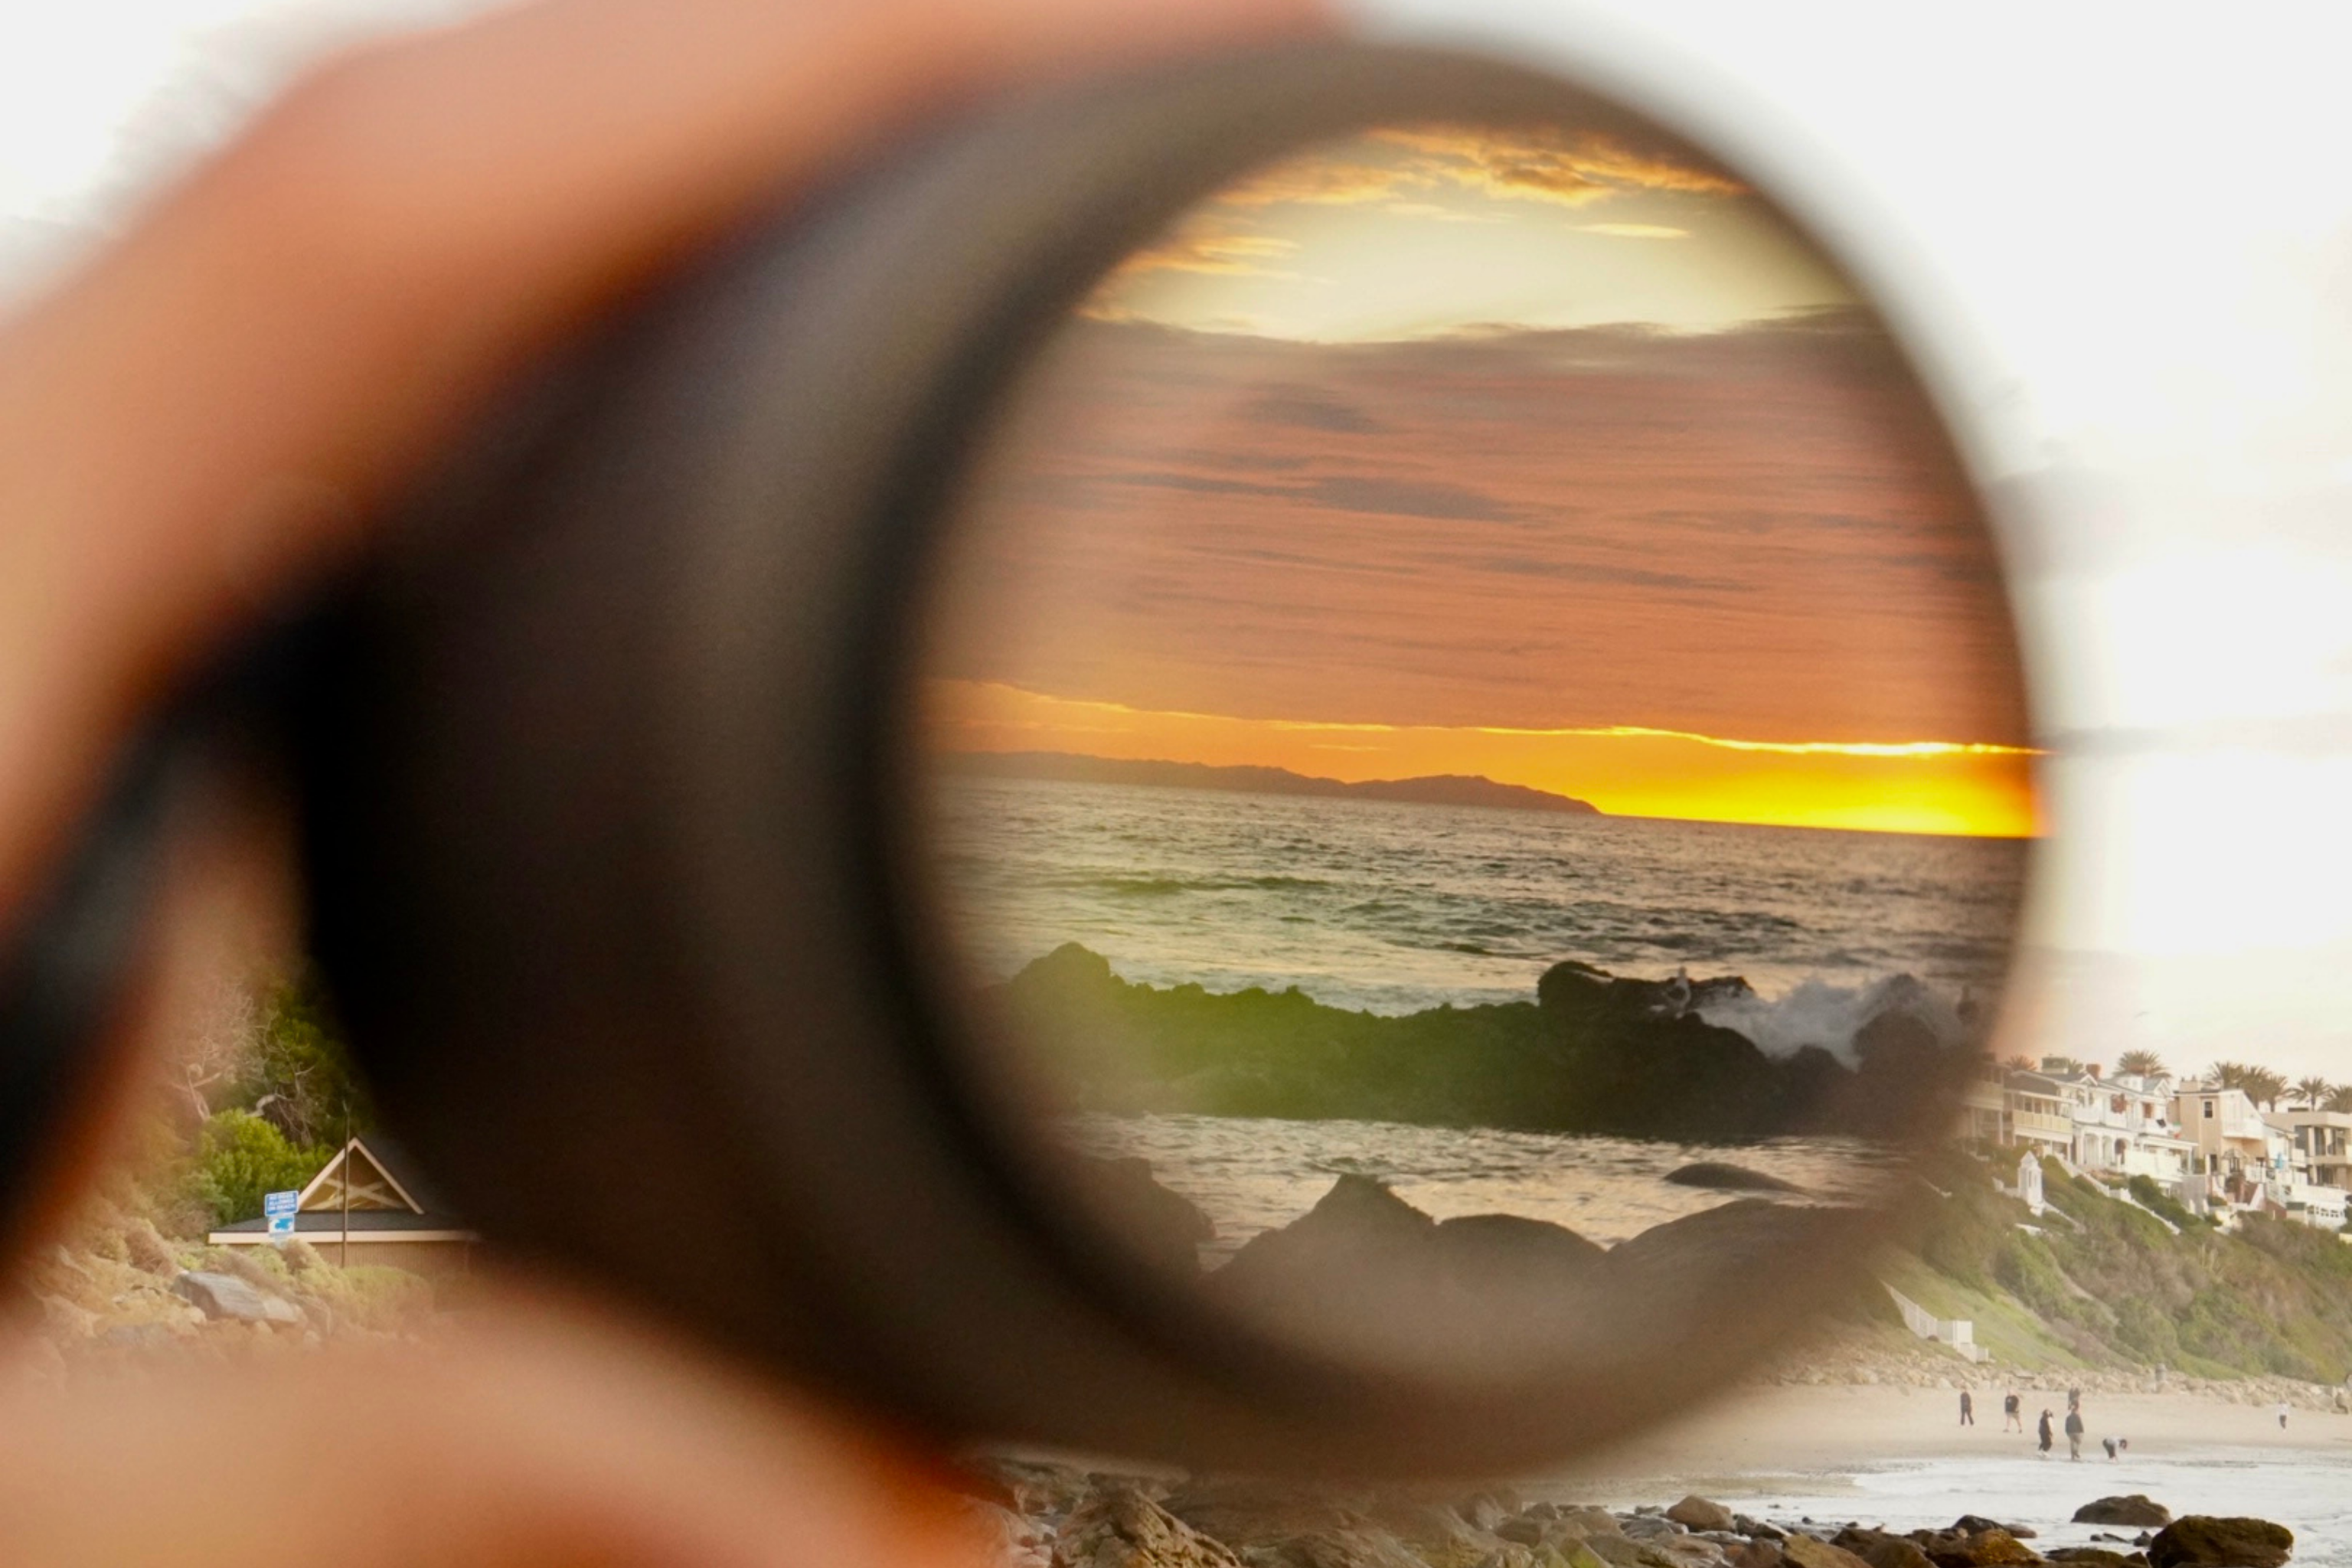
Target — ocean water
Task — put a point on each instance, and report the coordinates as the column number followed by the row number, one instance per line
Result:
column 1393, row 908
column 2309, row 1491
column 1255, row 1174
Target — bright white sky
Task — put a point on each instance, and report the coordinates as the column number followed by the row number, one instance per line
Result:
column 2127, row 232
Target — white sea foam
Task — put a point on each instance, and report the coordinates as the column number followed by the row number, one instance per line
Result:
column 1816, row 1012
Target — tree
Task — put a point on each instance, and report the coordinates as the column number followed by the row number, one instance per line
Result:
column 2229, row 1075
column 2264, row 1087
column 2022, row 1064
column 2339, row 1099
column 239, row 1157
column 2140, row 1064
column 297, row 1075
column 2313, row 1091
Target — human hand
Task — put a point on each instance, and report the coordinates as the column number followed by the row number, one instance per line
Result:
column 204, row 419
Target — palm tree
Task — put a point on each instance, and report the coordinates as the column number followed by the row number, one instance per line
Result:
column 2022, row 1064
column 2339, row 1098
column 2264, row 1087
column 2314, row 1089
column 2229, row 1075
column 2140, row 1064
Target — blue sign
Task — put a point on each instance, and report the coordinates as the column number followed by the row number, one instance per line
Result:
column 281, row 1226
column 277, row 1203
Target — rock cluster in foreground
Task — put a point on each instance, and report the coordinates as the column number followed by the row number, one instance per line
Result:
column 1046, row 1515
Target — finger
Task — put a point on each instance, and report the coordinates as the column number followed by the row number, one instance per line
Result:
column 213, row 404
column 543, row 1433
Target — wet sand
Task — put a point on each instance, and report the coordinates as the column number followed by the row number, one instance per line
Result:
column 1822, row 1433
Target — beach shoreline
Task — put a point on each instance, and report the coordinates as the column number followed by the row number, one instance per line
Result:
column 1813, row 1432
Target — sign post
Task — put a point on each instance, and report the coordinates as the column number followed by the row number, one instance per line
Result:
column 279, row 1208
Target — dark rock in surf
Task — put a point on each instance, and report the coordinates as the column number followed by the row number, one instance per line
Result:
column 1721, row 1177
column 2205, row 1541
column 2097, row 1557
column 1162, row 1225
column 1977, row 1524
column 2136, row 1510
column 1366, row 1265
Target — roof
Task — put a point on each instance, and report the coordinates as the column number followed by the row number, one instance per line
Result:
column 383, row 1179
column 330, row 1221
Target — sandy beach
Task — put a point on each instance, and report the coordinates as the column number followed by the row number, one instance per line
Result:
column 1898, row 1457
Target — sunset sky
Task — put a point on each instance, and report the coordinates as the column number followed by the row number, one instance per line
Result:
column 1541, row 456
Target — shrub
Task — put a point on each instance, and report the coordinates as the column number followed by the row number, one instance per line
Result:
column 239, row 1157
column 2155, row 1199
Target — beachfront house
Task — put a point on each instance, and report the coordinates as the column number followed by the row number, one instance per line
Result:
column 1984, row 1104
column 2231, row 1136
column 2322, row 1144
column 2123, row 1125
column 2041, row 1116
column 369, row 1205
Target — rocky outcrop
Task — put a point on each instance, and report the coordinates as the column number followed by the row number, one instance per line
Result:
column 1118, row 1527
column 1805, row 1552
column 1696, row 1512
column 1165, row 1226
column 2135, row 1510
column 2206, row 1540
column 1973, row 1549
column 1718, row 1176
column 1881, row 1550
column 1593, row 1053
column 226, row 1296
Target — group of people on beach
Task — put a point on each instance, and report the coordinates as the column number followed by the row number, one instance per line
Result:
column 2013, row 1411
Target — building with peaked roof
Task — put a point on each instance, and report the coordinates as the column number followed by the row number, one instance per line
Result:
column 392, row 1215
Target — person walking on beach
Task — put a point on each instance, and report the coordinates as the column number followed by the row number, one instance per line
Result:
column 2282, row 1414
column 2013, row 1412
column 2074, row 1402
column 1968, row 1408
column 2073, row 1434
column 2044, row 1429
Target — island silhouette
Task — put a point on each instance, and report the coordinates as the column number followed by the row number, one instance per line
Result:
column 1436, row 789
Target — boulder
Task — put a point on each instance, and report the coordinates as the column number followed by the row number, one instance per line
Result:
column 1757, row 1553
column 1590, row 1522
column 1881, row 1550
column 1804, row 1552
column 1118, row 1527
column 1698, row 1513
column 1720, row 1177
column 1978, row 1548
column 1164, row 1226
column 1242, row 1511
column 2206, row 1541
column 1977, row 1524
column 2135, row 1510
column 226, row 1296
column 1335, row 1549
column 1757, row 1528
column 2097, row 1557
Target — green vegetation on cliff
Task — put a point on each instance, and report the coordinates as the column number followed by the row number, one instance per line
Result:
column 2108, row 1285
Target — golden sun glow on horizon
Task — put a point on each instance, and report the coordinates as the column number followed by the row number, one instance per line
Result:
column 1946, row 787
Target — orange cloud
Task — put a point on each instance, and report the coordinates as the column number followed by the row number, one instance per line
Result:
column 1556, row 165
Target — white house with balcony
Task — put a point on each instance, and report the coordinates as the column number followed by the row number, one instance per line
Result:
column 2123, row 1125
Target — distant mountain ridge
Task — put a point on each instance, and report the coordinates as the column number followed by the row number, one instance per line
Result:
column 1437, row 789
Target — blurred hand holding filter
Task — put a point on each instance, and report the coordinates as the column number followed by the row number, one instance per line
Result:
column 1311, row 762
